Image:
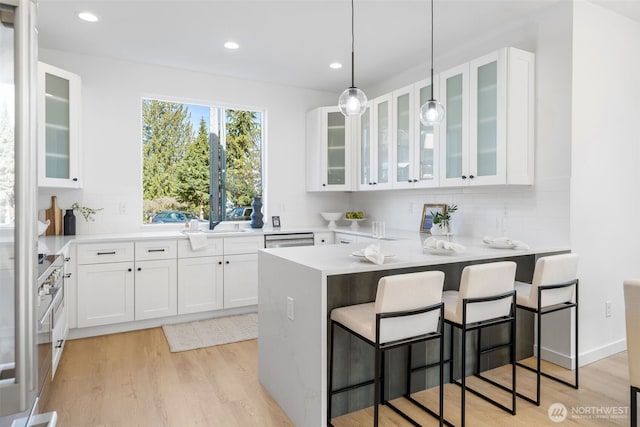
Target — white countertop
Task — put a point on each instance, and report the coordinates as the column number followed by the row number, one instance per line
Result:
column 407, row 252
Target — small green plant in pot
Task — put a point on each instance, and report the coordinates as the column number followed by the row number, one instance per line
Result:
column 442, row 220
column 87, row 213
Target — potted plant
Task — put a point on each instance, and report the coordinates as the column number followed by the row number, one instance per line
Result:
column 442, row 221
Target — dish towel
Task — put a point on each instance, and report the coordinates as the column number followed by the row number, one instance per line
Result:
column 198, row 241
column 373, row 254
column 489, row 240
column 433, row 243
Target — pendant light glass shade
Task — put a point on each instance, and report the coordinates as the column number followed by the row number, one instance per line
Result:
column 352, row 102
column 432, row 112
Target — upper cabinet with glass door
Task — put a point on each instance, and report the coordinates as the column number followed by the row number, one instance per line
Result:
column 58, row 127
column 329, row 158
column 487, row 135
column 426, row 160
column 375, row 145
column 403, row 142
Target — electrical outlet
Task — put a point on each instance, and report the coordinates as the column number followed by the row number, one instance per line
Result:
column 290, row 314
column 607, row 309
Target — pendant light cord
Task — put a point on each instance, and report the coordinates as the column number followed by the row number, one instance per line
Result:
column 431, row 51
column 352, row 48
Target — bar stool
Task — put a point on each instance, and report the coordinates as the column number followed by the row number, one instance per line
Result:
column 486, row 298
column 554, row 288
column 632, row 320
column 408, row 309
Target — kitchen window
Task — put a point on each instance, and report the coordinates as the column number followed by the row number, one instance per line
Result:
column 200, row 161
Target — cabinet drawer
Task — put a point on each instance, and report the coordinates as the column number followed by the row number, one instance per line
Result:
column 214, row 248
column 100, row 253
column 156, row 249
column 243, row 245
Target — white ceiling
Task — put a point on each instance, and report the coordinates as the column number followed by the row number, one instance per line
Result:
column 289, row 42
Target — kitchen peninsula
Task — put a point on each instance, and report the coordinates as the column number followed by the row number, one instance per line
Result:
column 298, row 288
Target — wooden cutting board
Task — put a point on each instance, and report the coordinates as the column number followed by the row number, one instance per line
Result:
column 54, row 215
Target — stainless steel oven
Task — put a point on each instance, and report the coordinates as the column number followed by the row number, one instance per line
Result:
column 50, row 297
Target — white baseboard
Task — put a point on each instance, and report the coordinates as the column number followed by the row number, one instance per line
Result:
column 586, row 357
column 154, row 323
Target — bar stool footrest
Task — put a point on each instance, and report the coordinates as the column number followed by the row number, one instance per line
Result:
column 486, row 398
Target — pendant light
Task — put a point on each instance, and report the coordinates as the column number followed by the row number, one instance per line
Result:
column 432, row 112
column 353, row 101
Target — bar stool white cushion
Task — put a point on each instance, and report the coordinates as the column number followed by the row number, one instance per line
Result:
column 396, row 293
column 481, row 280
column 549, row 270
column 632, row 317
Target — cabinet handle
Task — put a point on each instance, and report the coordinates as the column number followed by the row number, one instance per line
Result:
column 471, row 176
column 75, row 179
column 322, row 241
column 324, row 185
column 415, row 180
column 139, row 268
column 371, row 183
column 67, row 259
column 464, row 176
column 219, row 262
column 59, row 344
column 107, row 253
column 155, row 250
column 129, row 269
column 375, row 183
column 226, row 262
column 66, row 276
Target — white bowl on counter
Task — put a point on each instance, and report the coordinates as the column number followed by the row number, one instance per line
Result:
column 332, row 217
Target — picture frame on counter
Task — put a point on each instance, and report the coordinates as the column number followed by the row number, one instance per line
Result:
column 275, row 221
column 426, row 221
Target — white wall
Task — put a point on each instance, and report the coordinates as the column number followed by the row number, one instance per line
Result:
column 605, row 179
column 540, row 211
column 111, row 138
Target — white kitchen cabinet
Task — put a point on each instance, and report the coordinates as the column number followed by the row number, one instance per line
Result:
column 59, row 128
column 426, row 159
column 105, row 293
column 62, row 313
column 200, row 284
column 403, row 141
column 156, row 279
column 240, row 280
column 156, row 288
column 329, row 150
column 487, row 134
column 241, row 270
column 375, row 144
column 323, row 238
column 200, row 276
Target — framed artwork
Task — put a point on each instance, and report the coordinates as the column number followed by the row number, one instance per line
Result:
column 275, row 221
column 426, row 221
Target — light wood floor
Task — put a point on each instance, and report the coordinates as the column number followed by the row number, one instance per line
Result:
column 132, row 379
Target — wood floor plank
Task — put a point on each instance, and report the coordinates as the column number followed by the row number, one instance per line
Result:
column 132, row 379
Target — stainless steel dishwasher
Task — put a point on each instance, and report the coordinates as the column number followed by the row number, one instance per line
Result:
column 287, row 240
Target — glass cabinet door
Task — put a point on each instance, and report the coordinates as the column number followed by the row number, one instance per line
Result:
column 58, row 135
column 336, row 149
column 57, row 127
column 366, row 178
column 403, row 130
column 426, row 164
column 454, row 140
column 487, row 140
column 383, row 141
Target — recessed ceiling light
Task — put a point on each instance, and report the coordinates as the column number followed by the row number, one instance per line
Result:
column 231, row 45
column 88, row 16
column 335, row 65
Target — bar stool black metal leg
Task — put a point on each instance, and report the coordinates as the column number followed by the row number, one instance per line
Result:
column 577, row 352
column 634, row 406
column 330, row 380
column 513, row 359
column 538, row 355
column 463, row 373
column 376, row 385
column 451, row 359
column 441, row 369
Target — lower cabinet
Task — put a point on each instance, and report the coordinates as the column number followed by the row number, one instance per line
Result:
column 105, row 293
column 156, row 289
column 240, row 280
column 200, row 284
